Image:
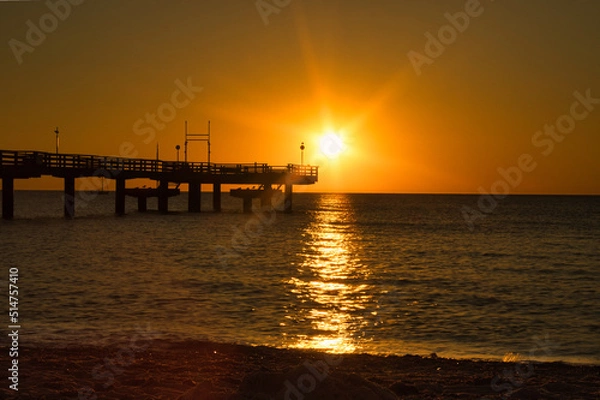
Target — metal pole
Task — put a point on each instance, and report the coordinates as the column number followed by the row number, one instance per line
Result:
column 57, row 140
column 193, row 137
column 185, row 144
column 302, row 147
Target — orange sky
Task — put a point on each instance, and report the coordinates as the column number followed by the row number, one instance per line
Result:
column 442, row 124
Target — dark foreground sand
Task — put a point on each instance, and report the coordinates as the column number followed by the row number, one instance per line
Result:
column 202, row 370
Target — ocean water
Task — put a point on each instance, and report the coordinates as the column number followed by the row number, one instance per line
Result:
column 381, row 274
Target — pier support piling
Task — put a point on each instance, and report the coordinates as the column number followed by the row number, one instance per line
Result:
column 142, row 204
column 163, row 197
column 287, row 205
column 194, row 197
column 217, row 197
column 8, row 197
column 120, row 197
column 266, row 198
column 69, row 197
column 247, row 205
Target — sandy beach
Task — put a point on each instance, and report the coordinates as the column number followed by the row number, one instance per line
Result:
column 161, row 369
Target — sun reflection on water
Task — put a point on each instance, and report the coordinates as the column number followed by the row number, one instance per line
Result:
column 330, row 290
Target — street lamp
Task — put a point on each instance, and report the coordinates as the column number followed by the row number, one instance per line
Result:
column 302, row 147
column 56, row 131
column 178, row 147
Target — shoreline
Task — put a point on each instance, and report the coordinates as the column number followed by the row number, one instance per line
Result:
column 147, row 368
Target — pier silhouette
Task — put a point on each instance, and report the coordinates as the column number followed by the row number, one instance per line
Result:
column 35, row 164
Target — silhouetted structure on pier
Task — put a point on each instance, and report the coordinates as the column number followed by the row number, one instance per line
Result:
column 35, row 164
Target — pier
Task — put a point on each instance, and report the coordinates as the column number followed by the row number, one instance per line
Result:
column 264, row 193
column 69, row 167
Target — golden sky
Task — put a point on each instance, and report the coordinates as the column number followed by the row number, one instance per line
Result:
column 425, row 96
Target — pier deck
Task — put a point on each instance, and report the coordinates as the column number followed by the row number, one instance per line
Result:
column 35, row 164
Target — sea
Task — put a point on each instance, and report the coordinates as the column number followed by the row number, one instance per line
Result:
column 347, row 273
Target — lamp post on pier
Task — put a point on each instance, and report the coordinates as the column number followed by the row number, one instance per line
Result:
column 178, row 147
column 302, row 147
column 57, row 140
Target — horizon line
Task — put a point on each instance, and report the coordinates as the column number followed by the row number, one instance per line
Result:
column 367, row 193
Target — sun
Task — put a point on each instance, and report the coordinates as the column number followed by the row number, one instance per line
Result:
column 332, row 145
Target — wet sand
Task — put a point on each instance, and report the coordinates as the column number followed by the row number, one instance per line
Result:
column 161, row 369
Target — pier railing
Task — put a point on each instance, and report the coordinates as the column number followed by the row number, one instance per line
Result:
column 9, row 158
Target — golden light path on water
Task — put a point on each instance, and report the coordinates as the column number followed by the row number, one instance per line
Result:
column 330, row 283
